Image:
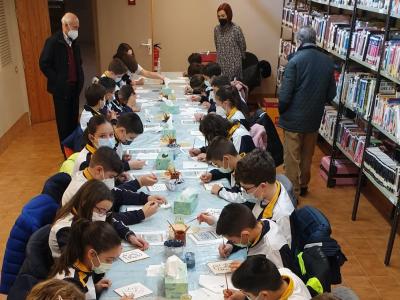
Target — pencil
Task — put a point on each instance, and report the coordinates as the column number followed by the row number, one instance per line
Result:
column 226, row 281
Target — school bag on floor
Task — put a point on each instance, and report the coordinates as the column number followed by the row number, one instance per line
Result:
column 310, row 228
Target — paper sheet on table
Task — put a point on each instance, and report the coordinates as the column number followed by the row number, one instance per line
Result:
column 206, row 236
column 189, row 122
column 202, row 293
column 191, row 174
column 133, row 207
column 135, row 289
column 146, row 156
column 155, row 270
column 158, row 187
column 144, row 150
column 147, row 104
column 208, row 186
column 196, row 133
column 215, row 283
column 154, row 238
column 142, row 91
column 133, row 255
column 190, row 164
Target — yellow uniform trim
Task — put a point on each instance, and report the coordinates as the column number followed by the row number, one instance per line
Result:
column 87, row 174
column 231, row 113
column 289, row 290
column 90, row 148
column 83, row 272
column 267, row 213
column 232, row 130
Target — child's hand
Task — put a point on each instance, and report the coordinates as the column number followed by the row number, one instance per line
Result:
column 126, row 157
column 201, row 157
column 157, row 198
column 215, row 189
column 207, row 218
column 103, row 284
column 225, row 250
column 147, row 180
column 235, row 265
column 195, row 98
column 123, row 177
column 206, row 104
column 127, row 297
column 188, row 90
column 198, row 116
column 136, row 164
column 206, row 177
column 150, row 208
column 138, row 242
column 194, row 152
column 233, row 295
column 140, row 81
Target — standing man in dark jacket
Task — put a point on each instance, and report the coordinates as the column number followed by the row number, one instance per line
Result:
column 60, row 61
column 308, row 84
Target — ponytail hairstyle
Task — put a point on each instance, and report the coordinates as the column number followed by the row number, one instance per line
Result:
column 213, row 125
column 85, row 199
column 91, row 128
column 99, row 235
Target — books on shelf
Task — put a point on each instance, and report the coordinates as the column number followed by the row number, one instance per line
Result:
column 396, row 7
column 351, row 138
column 327, row 127
column 286, row 48
column 383, row 169
column 387, row 115
column 378, row 4
column 391, row 58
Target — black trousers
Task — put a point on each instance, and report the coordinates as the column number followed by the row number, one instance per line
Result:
column 67, row 112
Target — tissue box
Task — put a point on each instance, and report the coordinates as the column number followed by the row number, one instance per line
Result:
column 166, row 91
column 171, row 109
column 163, row 161
column 169, row 133
column 175, row 288
column 185, row 205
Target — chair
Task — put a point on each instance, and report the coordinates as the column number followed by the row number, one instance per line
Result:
column 251, row 71
column 37, row 213
column 36, row 266
column 74, row 142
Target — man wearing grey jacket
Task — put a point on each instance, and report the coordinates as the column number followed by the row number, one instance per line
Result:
column 308, row 84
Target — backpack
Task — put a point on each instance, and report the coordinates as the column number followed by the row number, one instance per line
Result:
column 310, row 228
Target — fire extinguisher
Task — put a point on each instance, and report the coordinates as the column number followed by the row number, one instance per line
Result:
column 156, row 58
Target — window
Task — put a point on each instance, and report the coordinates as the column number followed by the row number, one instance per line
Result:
column 5, row 51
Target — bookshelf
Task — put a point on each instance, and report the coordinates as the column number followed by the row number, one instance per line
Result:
column 359, row 34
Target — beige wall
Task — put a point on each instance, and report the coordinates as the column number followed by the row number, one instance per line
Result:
column 186, row 26
column 14, row 99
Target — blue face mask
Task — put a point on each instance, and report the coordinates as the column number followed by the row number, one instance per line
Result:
column 110, row 143
column 241, row 244
column 225, row 170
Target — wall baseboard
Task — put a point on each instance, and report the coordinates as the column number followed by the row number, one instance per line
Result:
column 21, row 125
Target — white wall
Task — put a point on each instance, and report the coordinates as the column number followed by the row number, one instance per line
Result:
column 13, row 96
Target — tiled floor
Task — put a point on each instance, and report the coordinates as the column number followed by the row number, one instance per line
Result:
column 34, row 156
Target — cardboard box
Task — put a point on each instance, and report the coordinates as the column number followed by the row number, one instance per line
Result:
column 270, row 105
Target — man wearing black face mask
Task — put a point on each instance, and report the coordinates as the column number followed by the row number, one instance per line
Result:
column 60, row 61
column 229, row 42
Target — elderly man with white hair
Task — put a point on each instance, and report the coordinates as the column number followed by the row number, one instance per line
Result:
column 60, row 61
column 308, row 84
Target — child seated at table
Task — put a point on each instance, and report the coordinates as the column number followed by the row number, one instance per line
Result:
column 124, row 101
column 198, row 86
column 194, row 58
column 55, row 289
column 222, row 153
column 91, row 249
column 210, row 71
column 94, row 95
column 239, row 226
column 259, row 278
column 93, row 201
column 110, row 85
column 256, row 174
column 116, row 69
column 227, row 97
column 105, row 165
column 213, row 125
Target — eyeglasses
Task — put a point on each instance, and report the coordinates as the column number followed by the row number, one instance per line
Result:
column 102, row 211
column 247, row 190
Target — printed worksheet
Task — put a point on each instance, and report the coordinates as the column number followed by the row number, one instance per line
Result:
column 191, row 164
column 220, row 267
column 205, row 236
column 136, row 290
column 189, row 122
column 215, row 283
column 158, row 187
column 154, row 238
column 208, row 186
column 196, row 133
column 133, row 255
column 146, row 156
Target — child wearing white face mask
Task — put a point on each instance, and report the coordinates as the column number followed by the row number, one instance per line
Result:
column 222, row 153
column 94, row 95
column 91, row 249
column 93, row 201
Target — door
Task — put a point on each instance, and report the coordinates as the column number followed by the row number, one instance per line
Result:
column 34, row 29
column 134, row 26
